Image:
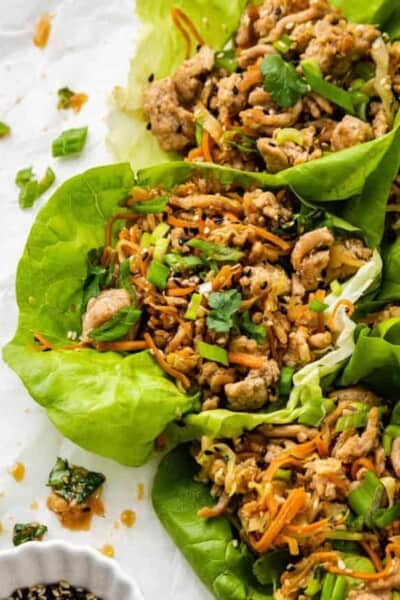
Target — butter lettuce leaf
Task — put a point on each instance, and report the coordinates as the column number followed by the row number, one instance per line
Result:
column 223, row 563
column 359, row 11
column 110, row 404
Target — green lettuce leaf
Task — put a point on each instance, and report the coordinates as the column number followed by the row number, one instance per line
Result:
column 221, row 562
column 359, row 11
column 108, row 403
column 392, row 26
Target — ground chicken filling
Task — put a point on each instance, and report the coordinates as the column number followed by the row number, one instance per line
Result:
column 316, row 494
column 224, row 286
column 341, row 83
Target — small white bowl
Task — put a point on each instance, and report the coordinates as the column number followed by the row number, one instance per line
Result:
column 50, row 562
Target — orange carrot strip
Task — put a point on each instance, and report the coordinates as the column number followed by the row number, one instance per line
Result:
column 292, row 543
column 347, row 304
column 385, row 572
column 42, row 31
column 195, row 153
column 271, row 237
column 159, row 356
column 308, row 529
column 77, row 101
column 294, row 503
column 376, row 561
column 177, row 22
column 45, row 344
column 179, row 15
column 206, row 146
column 246, row 360
column 118, row 217
column 276, row 464
column 183, row 223
column 177, row 292
column 251, row 77
column 124, row 346
column 224, row 276
column 362, row 463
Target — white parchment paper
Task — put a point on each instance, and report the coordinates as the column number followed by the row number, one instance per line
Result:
column 89, row 50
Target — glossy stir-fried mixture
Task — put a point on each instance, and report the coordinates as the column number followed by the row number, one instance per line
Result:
column 298, row 81
column 226, row 288
column 320, row 505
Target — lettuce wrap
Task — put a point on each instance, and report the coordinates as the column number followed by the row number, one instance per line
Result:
column 364, row 171
column 112, row 404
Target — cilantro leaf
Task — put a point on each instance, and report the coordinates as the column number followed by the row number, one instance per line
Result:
column 224, row 305
column 282, row 81
column 64, row 98
column 257, row 332
column 118, row 326
column 73, row 483
column 28, row 532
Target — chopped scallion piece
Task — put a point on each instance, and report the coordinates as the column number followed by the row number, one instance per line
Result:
column 336, row 287
column 125, row 278
column 226, row 59
column 180, row 263
column 317, row 306
column 158, row 274
column 334, row 587
column 116, row 327
column 28, row 532
column 4, row 129
column 352, row 421
column 283, row 475
column 289, row 134
column 284, row 44
column 285, row 381
column 193, row 307
column 315, row 79
column 211, row 352
column 160, row 231
column 216, row 252
column 30, row 188
column 160, row 249
column 69, row 142
column 145, row 240
column 198, row 131
column 150, row 207
column 367, row 498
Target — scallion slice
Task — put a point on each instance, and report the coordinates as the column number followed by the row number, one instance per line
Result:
column 284, row 44
column 69, row 142
column 193, row 307
column 149, row 207
column 289, row 134
column 317, row 306
column 4, row 129
column 315, row 79
column 145, row 240
column 158, row 274
column 160, row 231
column 285, row 381
column 212, row 352
column 367, row 498
column 336, row 287
column 160, row 249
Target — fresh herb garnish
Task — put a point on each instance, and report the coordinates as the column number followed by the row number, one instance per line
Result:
column 73, row 483
column 153, row 206
column 282, row 81
column 216, row 252
column 212, row 352
column 193, row 307
column 118, row 326
column 158, row 274
column 179, row 263
column 257, row 332
column 96, row 276
column 125, row 278
column 30, row 188
column 4, row 129
column 317, row 306
column 64, row 98
column 224, row 305
column 226, row 59
column 28, row 532
column 69, row 142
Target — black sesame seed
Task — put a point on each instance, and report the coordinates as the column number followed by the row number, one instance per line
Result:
column 150, row 78
column 218, row 220
column 278, row 11
column 179, row 129
column 235, row 90
column 263, row 285
column 198, row 47
column 182, row 240
column 261, row 464
column 148, row 126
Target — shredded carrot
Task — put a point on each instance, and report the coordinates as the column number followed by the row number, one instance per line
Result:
column 349, row 305
column 124, row 346
column 294, row 503
column 271, row 237
column 206, row 146
column 195, row 153
column 338, row 481
column 44, row 343
column 385, row 572
column 362, row 463
column 77, row 101
column 251, row 77
column 183, row 223
column 42, row 31
column 322, row 446
column 118, row 217
column 177, row 292
column 159, row 356
column 292, row 543
column 224, row 277
column 272, row 505
column 308, row 529
column 246, row 304
column 186, row 27
column 277, row 463
column 376, row 561
column 246, row 360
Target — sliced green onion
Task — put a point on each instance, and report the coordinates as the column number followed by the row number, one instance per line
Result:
column 356, row 85
column 344, row 535
column 336, row 287
column 145, row 240
column 160, row 231
column 352, row 421
column 150, row 207
column 383, row 517
column 285, row 380
column 125, row 277
column 116, row 327
column 69, row 142
column 283, row 475
column 193, row 307
column 334, row 587
column 30, row 188
column 314, row 77
column 317, row 306
column 158, row 274
column 365, row 71
column 180, row 263
column 367, row 498
column 387, row 442
column 198, row 132
column 284, row 44
column 226, row 59
column 216, row 252
column 4, row 129
column 393, row 431
column 289, row 134
column 212, row 352
column 160, row 249
column 313, row 587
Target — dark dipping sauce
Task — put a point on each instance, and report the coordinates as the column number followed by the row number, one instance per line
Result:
column 62, row 590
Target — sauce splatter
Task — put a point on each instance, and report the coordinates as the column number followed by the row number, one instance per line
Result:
column 108, row 550
column 140, row 491
column 42, row 31
column 34, row 505
column 1, row 528
column 76, row 517
column 18, row 472
column 117, row 524
column 128, row 518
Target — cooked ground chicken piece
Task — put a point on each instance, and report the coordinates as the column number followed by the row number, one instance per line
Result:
column 310, row 256
column 350, row 132
column 252, row 393
column 103, row 308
